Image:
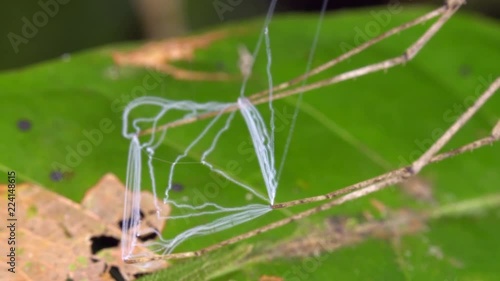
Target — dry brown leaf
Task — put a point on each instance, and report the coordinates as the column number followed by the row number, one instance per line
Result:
column 55, row 236
column 109, row 192
column 160, row 54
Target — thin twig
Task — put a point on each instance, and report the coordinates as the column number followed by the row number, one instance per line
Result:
column 408, row 55
column 360, row 190
column 426, row 158
column 459, row 123
column 262, row 97
column 399, row 222
column 352, row 52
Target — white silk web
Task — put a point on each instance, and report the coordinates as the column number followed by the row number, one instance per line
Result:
column 142, row 152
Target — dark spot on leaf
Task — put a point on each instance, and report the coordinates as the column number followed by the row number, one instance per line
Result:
column 221, row 66
column 142, row 274
column 146, row 237
column 465, row 70
column 24, row 125
column 410, row 170
column 336, row 224
column 102, row 242
column 129, row 221
column 120, row 223
column 177, row 187
column 56, row 176
column 115, row 273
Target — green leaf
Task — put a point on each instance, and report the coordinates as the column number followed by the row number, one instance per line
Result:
column 205, row 267
column 344, row 134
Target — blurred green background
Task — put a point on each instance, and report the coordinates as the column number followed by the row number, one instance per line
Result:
column 66, row 26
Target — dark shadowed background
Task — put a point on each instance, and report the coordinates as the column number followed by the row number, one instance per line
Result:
column 33, row 31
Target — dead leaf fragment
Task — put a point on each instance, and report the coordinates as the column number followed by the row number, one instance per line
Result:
column 160, row 54
column 109, row 192
column 55, row 236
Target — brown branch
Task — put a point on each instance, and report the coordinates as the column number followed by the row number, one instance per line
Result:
column 360, row 189
column 280, row 91
column 369, row 186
